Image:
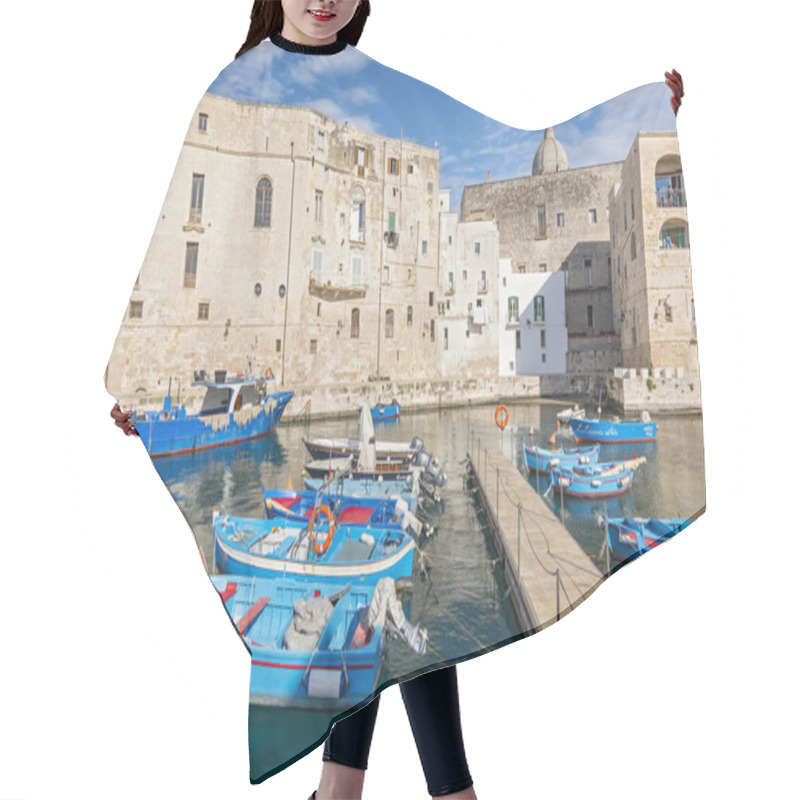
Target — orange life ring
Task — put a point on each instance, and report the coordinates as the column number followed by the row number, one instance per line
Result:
column 319, row 549
column 268, row 373
column 497, row 421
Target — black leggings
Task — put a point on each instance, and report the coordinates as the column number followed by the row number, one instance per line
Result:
column 432, row 707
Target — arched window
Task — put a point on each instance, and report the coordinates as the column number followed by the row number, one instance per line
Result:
column 669, row 182
column 673, row 235
column 263, row 203
column 355, row 323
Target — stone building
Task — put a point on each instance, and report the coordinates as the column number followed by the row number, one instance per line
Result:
column 556, row 219
column 287, row 240
column 653, row 297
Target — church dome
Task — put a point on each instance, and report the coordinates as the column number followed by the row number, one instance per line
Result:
column 550, row 156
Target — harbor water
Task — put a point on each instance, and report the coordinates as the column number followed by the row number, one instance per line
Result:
column 458, row 591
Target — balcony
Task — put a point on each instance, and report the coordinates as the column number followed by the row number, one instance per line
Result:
column 338, row 291
column 392, row 238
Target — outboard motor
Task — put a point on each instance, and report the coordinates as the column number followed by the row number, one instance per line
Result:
column 417, row 443
column 423, row 458
column 435, row 473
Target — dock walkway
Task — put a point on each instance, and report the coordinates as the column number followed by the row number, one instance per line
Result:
column 547, row 570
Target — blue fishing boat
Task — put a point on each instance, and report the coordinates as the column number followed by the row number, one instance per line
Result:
column 385, row 411
column 347, row 509
column 315, row 548
column 614, row 430
column 332, row 669
column 629, row 537
column 541, row 459
column 232, row 411
column 593, row 481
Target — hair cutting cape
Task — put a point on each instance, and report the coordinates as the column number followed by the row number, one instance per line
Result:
column 412, row 375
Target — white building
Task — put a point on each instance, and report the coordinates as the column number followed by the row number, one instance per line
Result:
column 533, row 323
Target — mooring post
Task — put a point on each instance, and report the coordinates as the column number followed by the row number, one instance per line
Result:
column 558, row 594
column 497, row 494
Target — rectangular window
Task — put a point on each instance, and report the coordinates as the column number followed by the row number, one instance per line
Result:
column 590, row 316
column 593, row 215
column 433, row 330
column 394, row 167
column 633, row 209
column 355, row 323
column 541, row 222
column 316, row 266
column 313, row 347
column 513, row 309
column 190, row 265
column 477, row 248
column 320, row 140
column 202, row 311
column 196, row 212
column 538, row 308
column 542, row 339
column 389, row 323
column 464, row 275
column 518, row 338
column 386, row 274
column 357, row 226
column 449, row 240
column 361, row 161
column 560, row 219
column 410, row 315
column 544, row 357
column 446, row 339
column 424, row 247
column 483, row 287
column 430, row 299
column 202, row 122
column 447, row 304
column 542, row 267
column 430, row 187
column 625, row 215
column 392, row 221
column 451, row 283
column 410, row 169
column 135, row 309
column 277, row 345
column 317, row 206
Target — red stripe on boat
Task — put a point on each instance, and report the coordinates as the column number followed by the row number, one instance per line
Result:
column 247, row 620
column 286, row 502
column 228, row 592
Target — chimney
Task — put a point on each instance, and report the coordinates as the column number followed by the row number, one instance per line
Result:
column 488, row 176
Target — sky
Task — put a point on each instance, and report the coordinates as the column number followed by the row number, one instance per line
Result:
column 350, row 86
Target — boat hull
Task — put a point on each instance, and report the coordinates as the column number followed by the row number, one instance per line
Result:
column 176, row 432
column 539, row 459
column 629, row 537
column 602, row 430
column 383, row 413
column 593, row 485
column 297, row 506
column 347, row 559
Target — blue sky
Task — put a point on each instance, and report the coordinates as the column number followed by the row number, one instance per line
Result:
column 350, row 86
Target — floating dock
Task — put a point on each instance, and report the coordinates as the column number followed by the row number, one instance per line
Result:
column 547, row 571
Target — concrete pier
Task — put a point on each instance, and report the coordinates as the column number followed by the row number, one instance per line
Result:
column 547, row 570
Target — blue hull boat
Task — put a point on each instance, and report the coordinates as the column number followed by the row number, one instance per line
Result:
column 272, row 547
column 339, row 671
column 382, row 412
column 347, row 510
column 595, row 481
column 629, row 537
column 613, row 430
column 232, row 411
column 541, row 459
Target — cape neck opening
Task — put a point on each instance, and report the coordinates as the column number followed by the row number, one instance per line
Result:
column 308, row 49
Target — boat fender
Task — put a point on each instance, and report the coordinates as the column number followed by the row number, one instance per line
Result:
column 367, row 538
column 321, row 547
column 596, row 484
column 501, row 417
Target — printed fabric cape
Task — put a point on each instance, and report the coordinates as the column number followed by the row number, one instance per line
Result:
column 412, row 375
